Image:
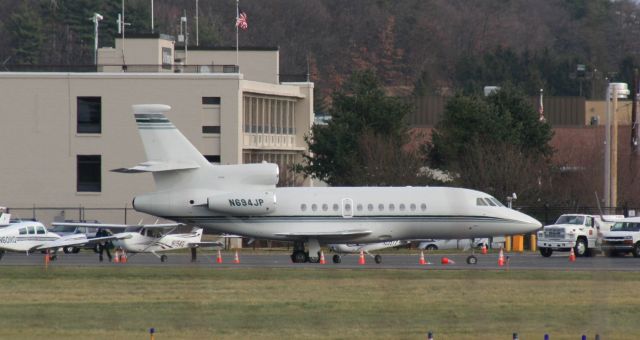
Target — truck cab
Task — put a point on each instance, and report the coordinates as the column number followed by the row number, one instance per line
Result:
column 577, row 231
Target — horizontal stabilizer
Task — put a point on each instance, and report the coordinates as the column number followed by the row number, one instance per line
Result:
column 158, row 167
column 340, row 233
column 205, row 244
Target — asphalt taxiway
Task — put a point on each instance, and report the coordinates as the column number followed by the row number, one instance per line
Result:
column 514, row 261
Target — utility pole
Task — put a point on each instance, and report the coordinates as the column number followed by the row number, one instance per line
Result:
column 96, row 18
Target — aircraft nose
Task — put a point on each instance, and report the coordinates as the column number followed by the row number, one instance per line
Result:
column 527, row 223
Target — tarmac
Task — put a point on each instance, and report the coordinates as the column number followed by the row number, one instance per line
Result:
column 514, row 261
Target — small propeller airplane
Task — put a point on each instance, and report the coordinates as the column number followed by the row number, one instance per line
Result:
column 32, row 236
column 151, row 238
column 367, row 248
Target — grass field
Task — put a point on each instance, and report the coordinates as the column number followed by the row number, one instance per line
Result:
column 206, row 303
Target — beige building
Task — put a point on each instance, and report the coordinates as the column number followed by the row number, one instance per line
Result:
column 62, row 132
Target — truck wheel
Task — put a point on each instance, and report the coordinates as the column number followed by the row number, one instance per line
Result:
column 636, row 250
column 581, row 247
column 546, row 252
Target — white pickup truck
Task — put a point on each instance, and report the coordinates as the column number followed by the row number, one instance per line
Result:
column 578, row 231
column 623, row 238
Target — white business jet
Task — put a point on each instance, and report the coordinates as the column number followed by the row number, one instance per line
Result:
column 150, row 238
column 30, row 236
column 243, row 199
column 367, row 248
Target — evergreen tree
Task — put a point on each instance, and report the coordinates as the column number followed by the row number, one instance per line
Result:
column 25, row 29
column 360, row 111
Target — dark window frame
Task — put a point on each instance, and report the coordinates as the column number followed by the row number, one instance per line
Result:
column 89, row 114
column 89, row 173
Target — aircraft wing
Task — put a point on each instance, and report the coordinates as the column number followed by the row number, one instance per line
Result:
column 205, row 244
column 332, row 234
column 75, row 240
column 117, row 226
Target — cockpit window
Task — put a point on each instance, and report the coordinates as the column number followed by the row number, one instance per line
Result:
column 40, row 230
column 480, row 202
column 31, row 230
column 23, row 231
column 491, row 202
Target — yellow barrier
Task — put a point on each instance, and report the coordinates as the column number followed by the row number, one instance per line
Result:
column 507, row 243
column 532, row 243
column 518, row 243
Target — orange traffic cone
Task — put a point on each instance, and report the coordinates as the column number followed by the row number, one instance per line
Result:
column 322, row 261
column 116, row 256
column 219, row 258
column 446, row 260
column 123, row 257
column 361, row 261
column 236, row 259
column 572, row 256
column 484, row 249
column 422, row 261
column 501, row 258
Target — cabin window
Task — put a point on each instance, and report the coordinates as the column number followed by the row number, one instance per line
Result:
column 392, row 207
column 347, row 207
column 314, row 207
column 381, row 207
column 423, row 207
column 370, row 207
column 31, row 230
column 359, row 207
column 480, row 202
column 23, row 231
column 40, row 230
column 336, row 207
column 303, row 207
column 413, row 207
column 402, row 207
column 325, row 207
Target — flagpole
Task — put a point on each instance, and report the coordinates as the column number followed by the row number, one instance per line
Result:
column 237, row 16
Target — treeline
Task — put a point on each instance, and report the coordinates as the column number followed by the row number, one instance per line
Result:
column 415, row 46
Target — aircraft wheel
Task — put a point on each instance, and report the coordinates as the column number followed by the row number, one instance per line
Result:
column 76, row 250
column 546, row 252
column 314, row 259
column 378, row 259
column 53, row 257
column 337, row 258
column 472, row 259
column 299, row 257
column 68, row 250
column 163, row 258
column 432, row 247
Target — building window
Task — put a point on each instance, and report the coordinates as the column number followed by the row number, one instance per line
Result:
column 213, row 158
column 211, row 129
column 89, row 111
column 210, row 100
column 89, row 173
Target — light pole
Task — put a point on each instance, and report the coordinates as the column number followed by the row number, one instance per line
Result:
column 96, row 18
column 614, row 91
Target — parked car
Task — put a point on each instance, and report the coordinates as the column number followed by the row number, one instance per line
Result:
column 437, row 244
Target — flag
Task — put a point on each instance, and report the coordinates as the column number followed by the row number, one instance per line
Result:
column 241, row 20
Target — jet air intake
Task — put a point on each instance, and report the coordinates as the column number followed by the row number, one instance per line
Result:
column 243, row 203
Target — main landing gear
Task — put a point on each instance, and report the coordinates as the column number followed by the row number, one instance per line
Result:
column 299, row 254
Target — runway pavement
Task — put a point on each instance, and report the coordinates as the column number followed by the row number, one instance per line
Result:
column 527, row 261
